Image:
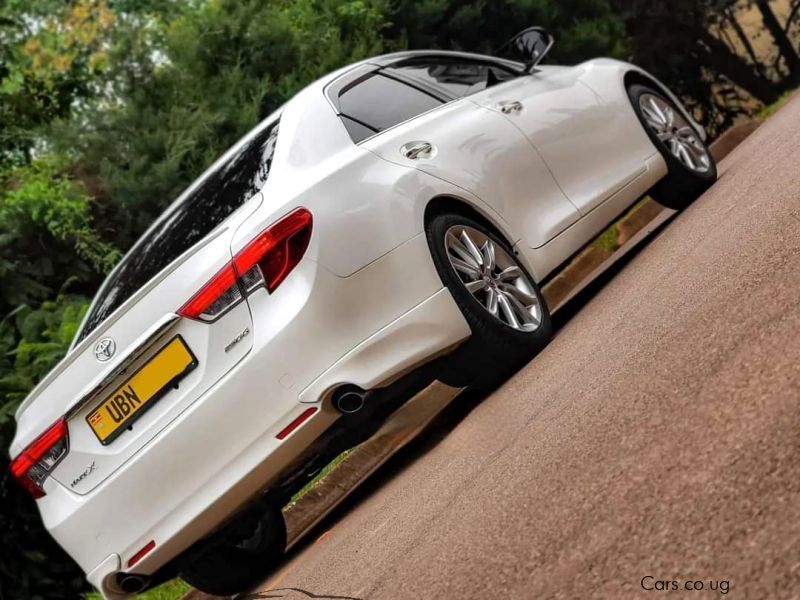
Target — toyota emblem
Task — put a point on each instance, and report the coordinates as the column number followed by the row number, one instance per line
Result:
column 104, row 349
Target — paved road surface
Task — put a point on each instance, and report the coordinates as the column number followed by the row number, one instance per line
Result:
column 658, row 435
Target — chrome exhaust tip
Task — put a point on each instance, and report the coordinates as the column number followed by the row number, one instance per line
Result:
column 349, row 400
column 131, row 583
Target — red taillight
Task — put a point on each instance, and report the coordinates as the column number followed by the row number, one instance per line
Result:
column 210, row 301
column 267, row 260
column 277, row 250
column 36, row 462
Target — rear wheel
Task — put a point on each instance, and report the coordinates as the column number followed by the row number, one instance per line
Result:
column 501, row 302
column 692, row 169
column 239, row 556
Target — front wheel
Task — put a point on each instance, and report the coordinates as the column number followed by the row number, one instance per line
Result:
column 692, row 169
column 499, row 299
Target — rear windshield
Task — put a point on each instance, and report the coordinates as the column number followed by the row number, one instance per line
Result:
column 186, row 222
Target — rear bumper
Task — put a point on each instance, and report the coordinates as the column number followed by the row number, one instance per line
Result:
column 315, row 332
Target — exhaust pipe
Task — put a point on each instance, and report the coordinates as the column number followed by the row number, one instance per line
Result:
column 131, row 583
column 349, row 399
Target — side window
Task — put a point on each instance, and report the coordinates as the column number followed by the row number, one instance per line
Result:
column 460, row 77
column 358, row 131
column 379, row 102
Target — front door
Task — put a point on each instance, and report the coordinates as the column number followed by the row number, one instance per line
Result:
column 574, row 130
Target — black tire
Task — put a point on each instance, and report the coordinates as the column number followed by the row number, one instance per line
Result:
column 237, row 560
column 495, row 350
column 682, row 185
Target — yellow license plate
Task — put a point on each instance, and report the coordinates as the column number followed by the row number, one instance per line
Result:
column 152, row 381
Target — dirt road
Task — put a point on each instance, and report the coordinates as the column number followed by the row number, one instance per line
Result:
column 656, row 439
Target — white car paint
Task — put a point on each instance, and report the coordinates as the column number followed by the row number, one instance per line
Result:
column 364, row 304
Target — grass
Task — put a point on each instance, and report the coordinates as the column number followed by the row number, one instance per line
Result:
column 608, row 239
column 319, row 476
column 770, row 110
column 172, row 590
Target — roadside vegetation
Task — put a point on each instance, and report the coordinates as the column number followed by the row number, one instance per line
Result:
column 109, row 108
column 171, row 590
column 771, row 109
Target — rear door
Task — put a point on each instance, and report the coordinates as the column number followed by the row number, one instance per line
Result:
column 405, row 120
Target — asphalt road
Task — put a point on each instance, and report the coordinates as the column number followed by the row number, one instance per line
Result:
column 658, row 435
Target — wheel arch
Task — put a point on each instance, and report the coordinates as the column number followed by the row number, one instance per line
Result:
column 450, row 204
column 635, row 76
column 446, row 203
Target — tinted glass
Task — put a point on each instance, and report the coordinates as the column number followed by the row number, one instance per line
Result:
column 379, row 102
column 209, row 203
column 459, row 77
column 357, row 130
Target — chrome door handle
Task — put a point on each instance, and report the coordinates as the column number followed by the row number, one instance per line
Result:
column 417, row 150
column 511, row 107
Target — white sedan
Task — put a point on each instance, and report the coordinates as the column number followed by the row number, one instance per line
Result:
column 390, row 224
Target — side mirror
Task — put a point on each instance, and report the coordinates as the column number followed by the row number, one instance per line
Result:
column 529, row 46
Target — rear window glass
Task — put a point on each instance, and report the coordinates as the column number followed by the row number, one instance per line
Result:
column 379, row 102
column 209, row 202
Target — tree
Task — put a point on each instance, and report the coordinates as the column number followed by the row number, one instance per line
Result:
column 779, row 33
column 50, row 56
column 679, row 41
column 583, row 28
column 196, row 82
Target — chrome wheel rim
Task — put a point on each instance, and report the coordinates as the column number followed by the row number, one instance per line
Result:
column 675, row 133
column 494, row 278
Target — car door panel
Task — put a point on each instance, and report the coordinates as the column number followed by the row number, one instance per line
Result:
column 581, row 138
column 479, row 151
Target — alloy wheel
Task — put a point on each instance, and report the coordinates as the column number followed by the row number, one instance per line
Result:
column 675, row 132
column 494, row 278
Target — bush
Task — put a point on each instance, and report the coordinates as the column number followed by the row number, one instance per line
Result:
column 47, row 234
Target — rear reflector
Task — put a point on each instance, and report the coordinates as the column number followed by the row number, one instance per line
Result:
column 141, row 553
column 265, row 261
column 296, row 423
column 36, row 462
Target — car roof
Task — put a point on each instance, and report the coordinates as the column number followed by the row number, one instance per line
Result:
column 387, row 59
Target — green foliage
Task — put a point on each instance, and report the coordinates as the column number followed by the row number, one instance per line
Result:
column 32, row 341
column 46, row 225
column 771, row 109
column 172, row 590
column 608, row 240
column 583, row 28
column 221, row 68
column 51, row 53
